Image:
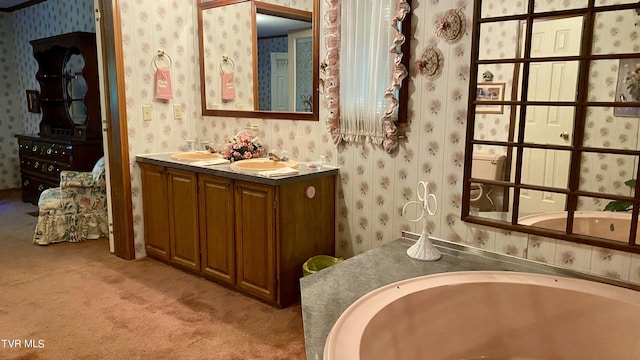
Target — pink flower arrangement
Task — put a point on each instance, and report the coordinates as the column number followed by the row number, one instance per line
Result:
column 242, row 146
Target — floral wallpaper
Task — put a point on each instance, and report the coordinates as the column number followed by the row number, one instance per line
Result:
column 18, row 69
column 373, row 186
column 12, row 104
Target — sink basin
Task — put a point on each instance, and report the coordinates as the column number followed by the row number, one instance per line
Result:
column 195, row 156
column 262, row 164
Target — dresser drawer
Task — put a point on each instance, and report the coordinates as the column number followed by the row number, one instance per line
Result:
column 42, row 160
column 32, row 186
column 52, row 152
column 43, row 167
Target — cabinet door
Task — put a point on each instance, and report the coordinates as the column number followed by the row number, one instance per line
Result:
column 216, row 228
column 155, row 210
column 182, row 189
column 255, row 239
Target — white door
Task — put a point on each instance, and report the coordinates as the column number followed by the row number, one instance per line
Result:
column 103, row 116
column 280, row 82
column 550, row 81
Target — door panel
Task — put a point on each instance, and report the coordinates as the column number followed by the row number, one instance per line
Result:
column 156, row 216
column 217, row 228
column 255, row 239
column 183, row 219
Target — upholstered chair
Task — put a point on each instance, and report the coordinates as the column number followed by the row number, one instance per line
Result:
column 75, row 211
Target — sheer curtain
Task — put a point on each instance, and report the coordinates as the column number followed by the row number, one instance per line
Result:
column 370, row 70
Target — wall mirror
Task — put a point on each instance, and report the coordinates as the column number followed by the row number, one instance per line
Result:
column 75, row 89
column 553, row 132
column 259, row 59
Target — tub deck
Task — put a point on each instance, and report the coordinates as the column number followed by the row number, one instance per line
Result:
column 326, row 294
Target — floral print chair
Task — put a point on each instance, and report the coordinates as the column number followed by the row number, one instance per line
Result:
column 75, row 211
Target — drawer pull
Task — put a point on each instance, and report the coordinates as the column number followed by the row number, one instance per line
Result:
column 40, row 187
column 26, row 183
column 50, row 168
column 49, row 151
column 36, row 165
column 34, row 148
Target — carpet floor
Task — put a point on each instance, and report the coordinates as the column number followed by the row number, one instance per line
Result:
column 78, row 301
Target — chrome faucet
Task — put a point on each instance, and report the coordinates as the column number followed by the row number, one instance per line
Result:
column 274, row 157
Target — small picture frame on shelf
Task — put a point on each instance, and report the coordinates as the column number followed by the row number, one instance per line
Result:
column 490, row 91
column 628, row 87
column 32, row 101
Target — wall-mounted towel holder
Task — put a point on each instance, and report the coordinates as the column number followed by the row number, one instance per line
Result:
column 227, row 61
column 161, row 55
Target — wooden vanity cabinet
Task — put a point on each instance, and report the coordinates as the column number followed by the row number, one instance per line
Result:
column 255, row 209
column 216, row 215
column 170, row 207
column 182, row 191
column 155, row 208
column 249, row 236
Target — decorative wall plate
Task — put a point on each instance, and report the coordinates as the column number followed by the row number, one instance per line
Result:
column 430, row 63
column 451, row 26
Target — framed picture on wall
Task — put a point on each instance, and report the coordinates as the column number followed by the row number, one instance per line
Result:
column 32, row 101
column 490, row 91
column 628, row 88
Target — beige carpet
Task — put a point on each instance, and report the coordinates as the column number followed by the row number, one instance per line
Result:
column 77, row 301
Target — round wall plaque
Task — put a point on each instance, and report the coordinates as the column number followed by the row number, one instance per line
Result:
column 430, row 62
column 451, row 26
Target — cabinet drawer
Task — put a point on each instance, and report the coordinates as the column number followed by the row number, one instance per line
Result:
column 60, row 153
column 45, row 168
column 32, row 187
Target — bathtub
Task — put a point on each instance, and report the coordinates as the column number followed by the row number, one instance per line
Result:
column 602, row 224
column 489, row 315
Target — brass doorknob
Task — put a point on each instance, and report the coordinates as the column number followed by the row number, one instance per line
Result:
column 565, row 135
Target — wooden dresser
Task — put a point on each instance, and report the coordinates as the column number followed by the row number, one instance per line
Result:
column 70, row 136
column 42, row 159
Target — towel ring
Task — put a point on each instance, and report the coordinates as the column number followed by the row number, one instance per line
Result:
column 227, row 61
column 161, row 54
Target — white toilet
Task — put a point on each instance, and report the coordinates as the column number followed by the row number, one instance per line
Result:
column 489, row 167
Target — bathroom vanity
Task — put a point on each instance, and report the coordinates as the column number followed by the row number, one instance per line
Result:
column 236, row 228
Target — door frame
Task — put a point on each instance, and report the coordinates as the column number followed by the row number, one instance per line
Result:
column 116, row 135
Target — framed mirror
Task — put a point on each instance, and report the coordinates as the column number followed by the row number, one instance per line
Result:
column 558, row 153
column 75, row 89
column 259, row 59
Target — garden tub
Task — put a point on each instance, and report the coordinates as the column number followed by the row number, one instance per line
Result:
column 489, row 315
column 603, row 224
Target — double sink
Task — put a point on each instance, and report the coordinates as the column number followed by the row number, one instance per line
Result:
column 259, row 164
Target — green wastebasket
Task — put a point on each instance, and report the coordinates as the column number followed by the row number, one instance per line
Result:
column 317, row 263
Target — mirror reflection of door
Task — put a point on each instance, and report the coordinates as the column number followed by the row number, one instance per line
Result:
column 550, row 81
column 281, row 76
column 279, row 82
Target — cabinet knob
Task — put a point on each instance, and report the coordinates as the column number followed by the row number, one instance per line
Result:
column 49, row 151
column 34, row 148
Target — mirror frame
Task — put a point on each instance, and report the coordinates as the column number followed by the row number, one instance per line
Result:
column 577, row 148
column 263, row 114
